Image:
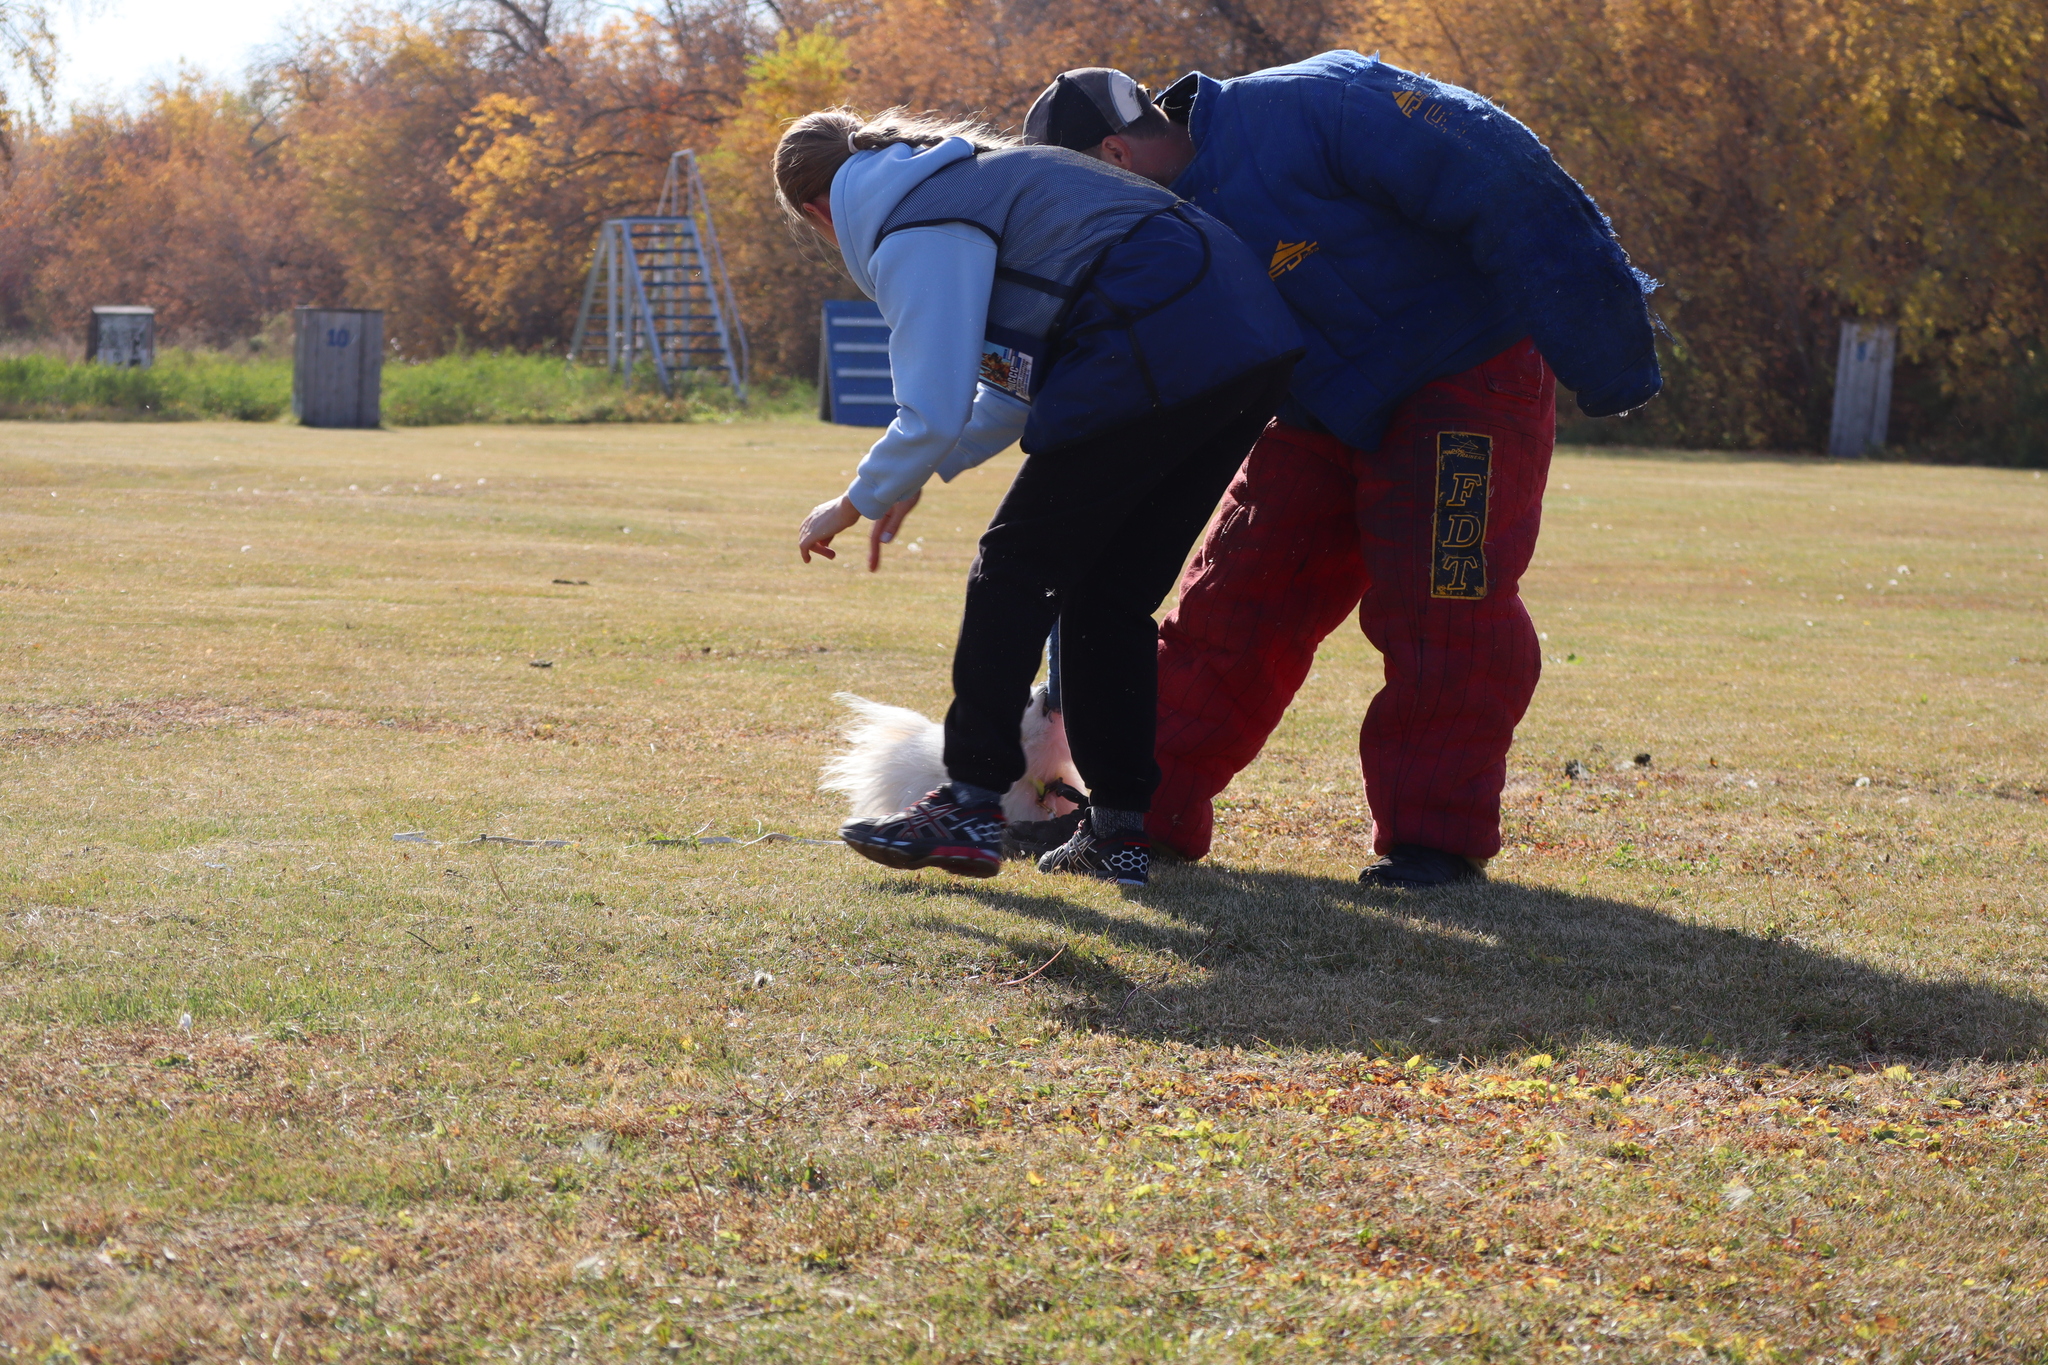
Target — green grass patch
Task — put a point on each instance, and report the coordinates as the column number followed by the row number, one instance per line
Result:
column 477, row 386
column 496, row 387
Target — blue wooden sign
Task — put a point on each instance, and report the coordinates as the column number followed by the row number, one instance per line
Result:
column 854, row 386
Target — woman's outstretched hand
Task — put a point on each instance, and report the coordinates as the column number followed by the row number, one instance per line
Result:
column 885, row 530
column 826, row 520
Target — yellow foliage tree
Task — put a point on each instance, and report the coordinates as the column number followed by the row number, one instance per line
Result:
column 781, row 274
column 529, row 202
column 993, row 57
column 1952, row 237
column 463, row 179
column 1782, row 165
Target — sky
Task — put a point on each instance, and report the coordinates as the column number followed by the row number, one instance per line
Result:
column 113, row 48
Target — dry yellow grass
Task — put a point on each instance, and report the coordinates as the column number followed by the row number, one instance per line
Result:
column 1737, row 1059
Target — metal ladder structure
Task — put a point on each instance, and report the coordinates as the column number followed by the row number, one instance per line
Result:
column 658, row 291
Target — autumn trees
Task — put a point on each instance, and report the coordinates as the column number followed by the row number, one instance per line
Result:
column 449, row 166
column 189, row 204
column 1781, row 165
column 1778, row 164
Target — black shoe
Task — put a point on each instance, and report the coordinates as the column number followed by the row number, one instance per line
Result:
column 1125, row 859
column 1413, row 865
column 936, row 831
column 1035, row 838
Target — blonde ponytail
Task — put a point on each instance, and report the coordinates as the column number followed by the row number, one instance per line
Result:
column 814, row 147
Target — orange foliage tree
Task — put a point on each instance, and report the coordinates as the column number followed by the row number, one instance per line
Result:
column 189, row 205
column 461, row 167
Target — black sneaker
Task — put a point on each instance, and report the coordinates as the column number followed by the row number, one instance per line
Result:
column 935, row 831
column 1125, row 859
column 1035, row 838
column 1412, row 865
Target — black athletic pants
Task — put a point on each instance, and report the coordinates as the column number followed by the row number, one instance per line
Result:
column 1093, row 536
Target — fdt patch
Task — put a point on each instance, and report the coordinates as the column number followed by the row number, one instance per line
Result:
column 1457, row 549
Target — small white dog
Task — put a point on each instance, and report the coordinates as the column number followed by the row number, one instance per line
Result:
column 898, row 755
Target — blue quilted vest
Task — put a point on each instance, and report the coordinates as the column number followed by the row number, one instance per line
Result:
column 1113, row 300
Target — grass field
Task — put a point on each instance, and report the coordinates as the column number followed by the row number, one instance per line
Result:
column 1739, row 1058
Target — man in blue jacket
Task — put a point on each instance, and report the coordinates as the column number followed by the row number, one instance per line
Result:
column 1445, row 272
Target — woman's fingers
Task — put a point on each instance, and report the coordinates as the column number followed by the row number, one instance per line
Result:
column 826, row 520
column 892, row 520
column 885, row 530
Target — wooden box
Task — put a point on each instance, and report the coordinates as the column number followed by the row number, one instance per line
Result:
column 338, row 367
column 123, row 335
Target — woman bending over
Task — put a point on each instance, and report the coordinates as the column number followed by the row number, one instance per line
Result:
column 1135, row 347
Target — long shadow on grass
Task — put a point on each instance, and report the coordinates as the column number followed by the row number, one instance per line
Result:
column 1490, row 970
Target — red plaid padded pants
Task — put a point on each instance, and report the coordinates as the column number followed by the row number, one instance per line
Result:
column 1428, row 537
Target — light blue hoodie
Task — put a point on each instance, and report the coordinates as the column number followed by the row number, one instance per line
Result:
column 933, row 286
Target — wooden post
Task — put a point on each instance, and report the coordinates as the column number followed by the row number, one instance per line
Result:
column 122, row 335
column 1863, row 388
column 337, row 377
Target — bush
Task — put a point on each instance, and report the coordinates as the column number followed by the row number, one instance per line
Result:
column 506, row 387
column 182, row 385
column 2000, row 421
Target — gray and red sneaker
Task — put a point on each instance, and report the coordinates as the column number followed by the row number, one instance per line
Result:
column 935, row 831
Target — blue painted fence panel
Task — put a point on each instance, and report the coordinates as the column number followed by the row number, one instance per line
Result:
column 854, row 387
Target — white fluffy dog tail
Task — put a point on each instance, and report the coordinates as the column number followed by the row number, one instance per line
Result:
column 896, row 755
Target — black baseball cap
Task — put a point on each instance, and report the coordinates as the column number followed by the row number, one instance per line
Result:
column 1083, row 106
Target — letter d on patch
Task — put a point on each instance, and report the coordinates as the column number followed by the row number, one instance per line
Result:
column 1457, row 548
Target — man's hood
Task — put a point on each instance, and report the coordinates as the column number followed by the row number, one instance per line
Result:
column 870, row 186
column 1194, row 98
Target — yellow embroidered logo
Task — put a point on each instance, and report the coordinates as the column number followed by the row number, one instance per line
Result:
column 1408, row 99
column 1288, row 255
column 1457, row 552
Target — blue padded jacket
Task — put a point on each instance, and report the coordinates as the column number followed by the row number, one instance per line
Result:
column 1415, row 229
